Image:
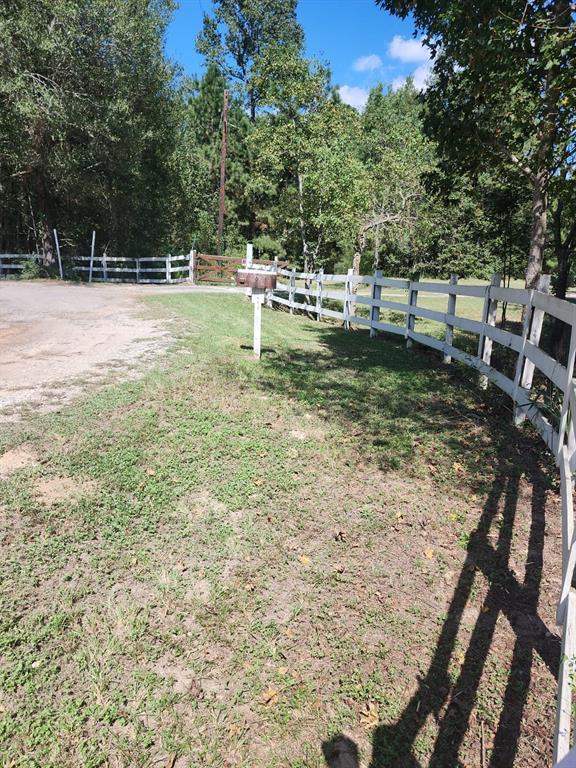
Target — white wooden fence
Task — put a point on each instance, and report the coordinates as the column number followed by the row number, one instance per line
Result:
column 114, row 269
column 559, row 434
column 147, row 269
column 11, row 264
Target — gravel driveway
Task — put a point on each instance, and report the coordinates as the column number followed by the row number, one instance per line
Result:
column 56, row 338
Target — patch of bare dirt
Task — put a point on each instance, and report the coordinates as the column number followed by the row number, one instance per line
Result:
column 199, row 504
column 56, row 339
column 53, row 490
column 183, row 678
column 15, row 459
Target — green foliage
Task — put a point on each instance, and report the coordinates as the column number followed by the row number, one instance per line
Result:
column 239, row 34
column 86, row 122
column 503, row 96
column 97, row 132
column 31, row 270
column 306, row 150
column 196, row 165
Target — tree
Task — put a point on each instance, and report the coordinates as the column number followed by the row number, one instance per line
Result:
column 397, row 156
column 503, row 91
column 240, row 32
column 86, row 122
column 307, row 149
column 196, row 165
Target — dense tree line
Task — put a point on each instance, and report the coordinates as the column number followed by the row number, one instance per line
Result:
column 98, row 129
column 87, row 123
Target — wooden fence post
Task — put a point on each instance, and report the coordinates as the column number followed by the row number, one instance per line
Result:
column 249, row 254
column 319, row 294
column 533, row 319
column 374, row 308
column 58, row 254
column 451, row 310
column 168, row 274
column 410, row 316
column 92, row 255
column 564, row 700
column 191, row 266
column 347, row 299
column 291, row 290
column 488, row 318
column 270, row 291
column 104, row 266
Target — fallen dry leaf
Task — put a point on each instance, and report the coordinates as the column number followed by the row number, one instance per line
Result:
column 369, row 715
column 195, row 690
column 270, row 697
column 429, row 553
column 458, row 468
column 304, row 559
column 282, row 670
column 151, row 472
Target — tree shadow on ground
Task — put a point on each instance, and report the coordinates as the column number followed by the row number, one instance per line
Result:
column 339, row 370
column 392, row 397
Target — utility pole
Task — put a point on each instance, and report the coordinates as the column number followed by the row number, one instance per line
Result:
column 222, row 174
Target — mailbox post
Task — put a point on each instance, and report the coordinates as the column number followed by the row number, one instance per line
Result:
column 257, row 299
column 258, row 281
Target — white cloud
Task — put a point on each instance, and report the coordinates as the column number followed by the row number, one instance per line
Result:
column 419, row 77
column 367, row 63
column 354, row 96
column 407, row 50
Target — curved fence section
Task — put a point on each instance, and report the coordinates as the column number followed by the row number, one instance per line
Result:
column 540, row 384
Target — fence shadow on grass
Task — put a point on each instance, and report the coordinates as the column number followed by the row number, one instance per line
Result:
column 450, row 704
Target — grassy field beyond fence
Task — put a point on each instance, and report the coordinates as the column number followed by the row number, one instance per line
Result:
column 241, row 563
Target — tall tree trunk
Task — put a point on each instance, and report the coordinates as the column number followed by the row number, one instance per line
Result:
column 307, row 256
column 562, row 280
column 45, row 219
column 305, row 247
column 560, row 338
column 538, row 233
column 377, row 247
column 560, row 13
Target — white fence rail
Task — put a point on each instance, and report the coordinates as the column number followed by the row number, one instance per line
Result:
column 147, row 269
column 11, row 264
column 114, row 269
column 558, row 434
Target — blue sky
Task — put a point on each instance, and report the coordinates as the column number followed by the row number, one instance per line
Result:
column 362, row 44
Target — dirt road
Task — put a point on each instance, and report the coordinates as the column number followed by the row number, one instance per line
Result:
column 56, row 339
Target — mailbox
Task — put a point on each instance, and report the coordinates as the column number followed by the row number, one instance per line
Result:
column 256, row 278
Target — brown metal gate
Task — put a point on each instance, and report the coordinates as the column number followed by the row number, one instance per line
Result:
column 222, row 269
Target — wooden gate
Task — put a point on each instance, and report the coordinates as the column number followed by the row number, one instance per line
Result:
column 222, row 269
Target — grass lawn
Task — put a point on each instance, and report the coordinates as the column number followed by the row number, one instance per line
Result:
column 228, row 563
